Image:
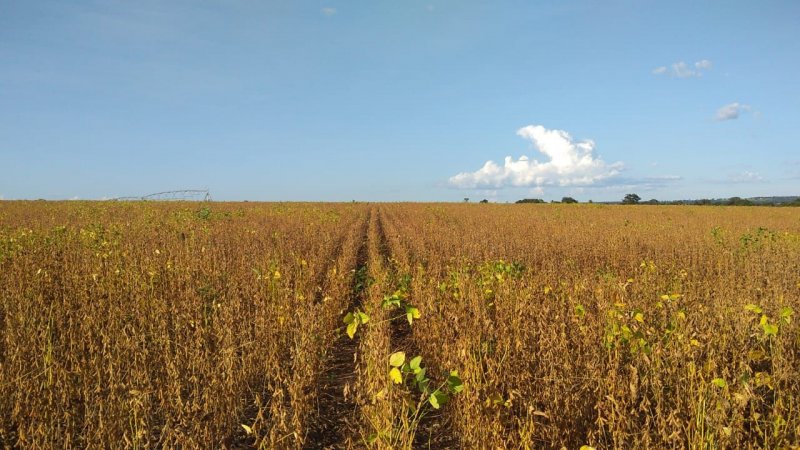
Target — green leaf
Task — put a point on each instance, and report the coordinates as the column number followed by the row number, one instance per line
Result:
column 395, row 375
column 786, row 314
column 363, row 317
column 391, row 300
column 348, row 319
column 419, row 374
column 247, row 429
column 580, row 311
column 372, row 438
column 397, row 359
column 438, row 398
column 719, row 382
column 455, row 384
column 415, row 362
column 411, row 314
column 770, row 329
column 753, row 308
column 351, row 329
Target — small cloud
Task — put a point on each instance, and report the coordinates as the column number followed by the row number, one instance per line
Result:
column 731, row 111
column 662, row 178
column 742, row 177
column 745, row 177
column 683, row 70
column 703, row 65
column 75, row 198
column 623, row 184
column 569, row 164
column 328, row 11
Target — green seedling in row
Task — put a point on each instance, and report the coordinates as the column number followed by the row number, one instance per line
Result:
column 353, row 320
column 410, row 386
column 398, row 300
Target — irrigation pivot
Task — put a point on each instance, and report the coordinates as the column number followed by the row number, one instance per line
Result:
column 178, row 195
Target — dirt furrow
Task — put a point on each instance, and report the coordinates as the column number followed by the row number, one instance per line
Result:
column 336, row 411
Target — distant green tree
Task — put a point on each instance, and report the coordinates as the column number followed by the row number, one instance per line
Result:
column 530, row 200
column 568, row 200
column 652, row 201
column 484, row 201
column 631, row 199
column 738, row 201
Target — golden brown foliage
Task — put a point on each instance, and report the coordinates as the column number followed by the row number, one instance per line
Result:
column 220, row 325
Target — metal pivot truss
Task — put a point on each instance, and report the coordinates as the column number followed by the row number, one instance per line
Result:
column 179, row 195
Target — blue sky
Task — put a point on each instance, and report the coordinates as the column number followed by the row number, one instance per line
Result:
column 399, row 100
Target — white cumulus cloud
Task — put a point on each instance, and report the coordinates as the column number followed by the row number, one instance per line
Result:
column 568, row 164
column 731, row 111
column 328, row 11
column 683, row 70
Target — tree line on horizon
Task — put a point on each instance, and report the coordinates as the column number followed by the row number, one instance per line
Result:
column 634, row 199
